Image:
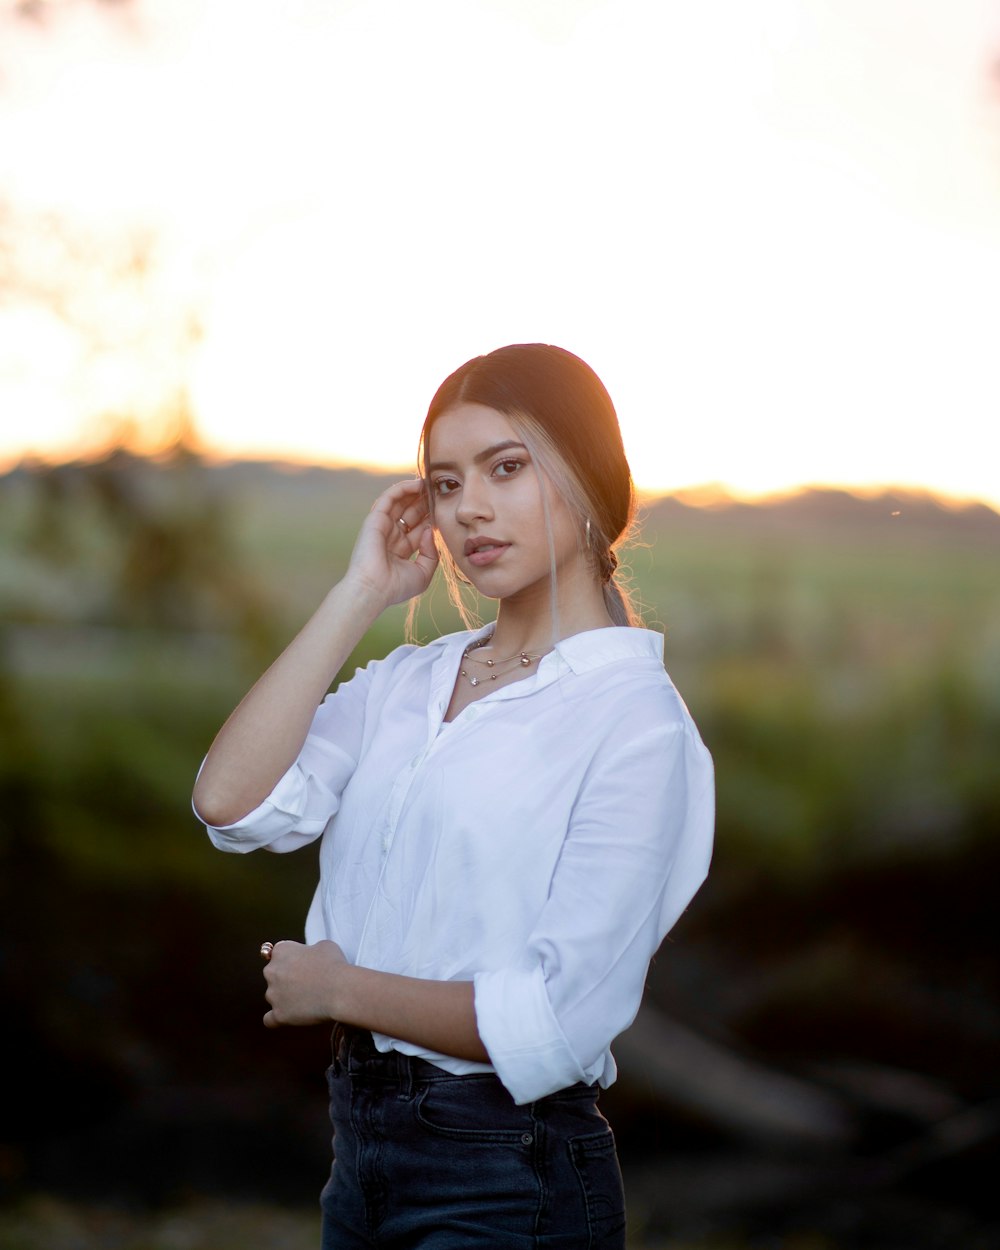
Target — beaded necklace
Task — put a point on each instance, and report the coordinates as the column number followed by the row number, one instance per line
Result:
column 524, row 658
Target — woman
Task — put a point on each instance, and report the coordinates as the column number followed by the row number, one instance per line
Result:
column 511, row 820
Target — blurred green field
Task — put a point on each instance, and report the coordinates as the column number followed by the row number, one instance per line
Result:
column 842, row 658
column 846, row 667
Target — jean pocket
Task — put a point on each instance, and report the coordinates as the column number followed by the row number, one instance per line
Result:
column 596, row 1163
column 473, row 1108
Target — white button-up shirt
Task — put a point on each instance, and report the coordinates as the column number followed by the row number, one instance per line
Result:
column 540, row 845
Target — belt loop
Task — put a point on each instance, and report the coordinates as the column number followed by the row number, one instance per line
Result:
column 405, row 1066
column 337, row 1038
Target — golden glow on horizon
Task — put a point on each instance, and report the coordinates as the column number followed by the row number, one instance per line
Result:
column 775, row 236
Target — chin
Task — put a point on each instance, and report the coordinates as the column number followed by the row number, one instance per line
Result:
column 490, row 587
column 527, row 591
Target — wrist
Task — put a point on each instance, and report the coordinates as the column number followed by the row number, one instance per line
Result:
column 346, row 995
column 359, row 598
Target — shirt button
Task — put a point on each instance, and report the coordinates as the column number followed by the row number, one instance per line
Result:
column 526, row 1139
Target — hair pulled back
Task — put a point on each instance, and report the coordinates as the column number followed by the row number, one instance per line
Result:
column 562, row 409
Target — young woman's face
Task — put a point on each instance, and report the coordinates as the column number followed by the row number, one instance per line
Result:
column 486, row 495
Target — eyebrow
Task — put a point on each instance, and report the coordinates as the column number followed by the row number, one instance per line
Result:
column 479, row 457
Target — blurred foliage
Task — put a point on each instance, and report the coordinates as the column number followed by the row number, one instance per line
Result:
column 842, row 658
column 52, row 1225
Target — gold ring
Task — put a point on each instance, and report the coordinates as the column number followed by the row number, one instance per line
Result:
column 265, row 950
column 400, row 521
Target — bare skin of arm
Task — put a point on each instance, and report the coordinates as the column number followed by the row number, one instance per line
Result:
column 263, row 736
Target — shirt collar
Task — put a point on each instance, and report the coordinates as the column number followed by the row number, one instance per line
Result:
column 582, row 652
column 596, row 647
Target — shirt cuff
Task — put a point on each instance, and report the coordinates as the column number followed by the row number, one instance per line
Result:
column 521, row 1034
column 268, row 824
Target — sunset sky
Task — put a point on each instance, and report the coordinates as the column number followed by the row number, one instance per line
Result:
column 772, row 226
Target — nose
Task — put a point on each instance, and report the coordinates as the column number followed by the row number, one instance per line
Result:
column 475, row 503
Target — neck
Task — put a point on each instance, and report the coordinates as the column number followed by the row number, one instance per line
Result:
column 532, row 623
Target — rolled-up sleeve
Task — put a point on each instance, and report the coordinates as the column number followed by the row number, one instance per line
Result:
column 307, row 796
column 637, row 849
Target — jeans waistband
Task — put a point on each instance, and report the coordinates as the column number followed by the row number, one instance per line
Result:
column 354, row 1051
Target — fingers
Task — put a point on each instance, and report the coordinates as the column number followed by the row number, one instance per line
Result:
column 410, row 522
column 299, row 982
column 426, row 552
column 271, row 1020
column 405, row 506
column 266, row 951
column 394, row 554
column 401, row 495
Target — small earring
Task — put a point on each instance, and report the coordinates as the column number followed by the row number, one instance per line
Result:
column 588, row 533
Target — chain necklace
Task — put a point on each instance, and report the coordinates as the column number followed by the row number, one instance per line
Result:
column 524, row 658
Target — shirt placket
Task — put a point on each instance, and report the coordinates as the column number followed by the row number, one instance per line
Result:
column 393, row 812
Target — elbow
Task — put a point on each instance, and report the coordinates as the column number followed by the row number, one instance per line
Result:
column 204, row 810
column 214, row 809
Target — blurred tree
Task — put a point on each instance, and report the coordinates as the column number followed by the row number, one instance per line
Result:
column 155, row 543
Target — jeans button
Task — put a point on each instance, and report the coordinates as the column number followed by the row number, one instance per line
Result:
column 526, row 1139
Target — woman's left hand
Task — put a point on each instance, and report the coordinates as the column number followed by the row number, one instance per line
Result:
column 301, row 982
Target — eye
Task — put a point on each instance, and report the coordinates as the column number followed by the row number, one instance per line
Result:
column 444, row 485
column 507, row 468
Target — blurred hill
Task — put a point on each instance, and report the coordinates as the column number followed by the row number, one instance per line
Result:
column 831, row 514
column 823, row 1024
column 816, row 511
column 280, row 488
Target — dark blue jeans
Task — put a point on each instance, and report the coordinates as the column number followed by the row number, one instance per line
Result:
column 440, row 1162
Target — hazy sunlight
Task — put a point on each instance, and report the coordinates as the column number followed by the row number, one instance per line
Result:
column 774, row 230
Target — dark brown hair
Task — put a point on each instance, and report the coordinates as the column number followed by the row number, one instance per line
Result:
column 562, row 409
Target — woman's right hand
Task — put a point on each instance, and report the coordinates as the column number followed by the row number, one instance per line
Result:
column 394, row 557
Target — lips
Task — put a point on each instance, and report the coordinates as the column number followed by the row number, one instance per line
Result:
column 483, row 550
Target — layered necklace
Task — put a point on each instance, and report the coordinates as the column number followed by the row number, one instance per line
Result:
column 524, row 659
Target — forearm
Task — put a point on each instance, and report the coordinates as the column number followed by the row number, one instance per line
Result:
column 313, row 984
column 438, row 1015
column 264, row 735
